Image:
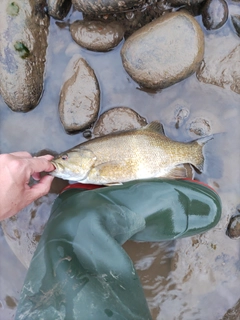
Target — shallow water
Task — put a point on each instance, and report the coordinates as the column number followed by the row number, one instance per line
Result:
column 190, row 279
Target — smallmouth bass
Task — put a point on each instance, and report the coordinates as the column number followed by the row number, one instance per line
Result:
column 129, row 155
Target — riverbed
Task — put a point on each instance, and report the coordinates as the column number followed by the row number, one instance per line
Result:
column 188, row 279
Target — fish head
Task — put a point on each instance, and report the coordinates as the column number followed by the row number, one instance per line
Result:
column 73, row 165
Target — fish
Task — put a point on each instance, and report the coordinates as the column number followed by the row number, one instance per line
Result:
column 123, row 156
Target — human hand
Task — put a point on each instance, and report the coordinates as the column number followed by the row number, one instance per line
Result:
column 16, row 169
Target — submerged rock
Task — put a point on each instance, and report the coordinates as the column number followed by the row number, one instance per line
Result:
column 23, row 231
column 23, row 45
column 214, row 14
column 233, row 229
column 164, row 51
column 236, row 23
column 97, row 35
column 200, row 126
column 79, row 98
column 118, row 119
column 59, row 9
column 105, row 6
column 222, row 72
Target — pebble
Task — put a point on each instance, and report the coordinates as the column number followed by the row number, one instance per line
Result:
column 118, row 119
column 164, row 51
column 80, row 98
column 214, row 14
column 200, row 127
column 97, row 35
column 233, row 229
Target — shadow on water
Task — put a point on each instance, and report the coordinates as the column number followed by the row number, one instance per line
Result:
column 191, row 279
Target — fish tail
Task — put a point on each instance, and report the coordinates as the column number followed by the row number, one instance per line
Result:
column 198, row 161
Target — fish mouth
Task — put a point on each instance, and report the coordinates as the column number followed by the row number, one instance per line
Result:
column 57, row 168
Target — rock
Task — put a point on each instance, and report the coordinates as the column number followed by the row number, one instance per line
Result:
column 118, row 119
column 233, row 229
column 222, row 72
column 236, row 23
column 97, row 35
column 214, row 14
column 80, row 97
column 59, row 9
column 181, row 114
column 105, row 6
column 164, row 51
column 186, row 2
column 23, row 45
column 200, row 126
column 233, row 313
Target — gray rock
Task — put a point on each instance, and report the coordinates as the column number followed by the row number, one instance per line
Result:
column 97, row 35
column 118, row 119
column 164, row 51
column 214, row 14
column 222, row 72
column 80, row 97
column 23, row 45
column 105, row 6
column 59, row 9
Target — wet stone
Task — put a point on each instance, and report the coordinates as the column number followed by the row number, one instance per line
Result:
column 214, row 14
column 164, row 51
column 118, row 119
column 97, row 35
column 80, row 97
column 233, row 229
column 222, row 72
column 200, row 127
column 236, row 23
column 105, row 6
column 59, row 9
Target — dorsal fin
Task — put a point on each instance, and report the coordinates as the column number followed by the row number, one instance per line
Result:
column 155, row 126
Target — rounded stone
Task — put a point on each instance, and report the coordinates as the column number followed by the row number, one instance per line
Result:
column 80, row 97
column 118, row 119
column 59, row 9
column 233, row 229
column 214, row 14
column 97, row 35
column 164, row 51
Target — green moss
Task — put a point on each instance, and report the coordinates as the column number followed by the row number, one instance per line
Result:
column 22, row 49
column 13, row 9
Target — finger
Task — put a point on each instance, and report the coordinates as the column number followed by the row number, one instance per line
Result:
column 21, row 154
column 36, row 176
column 48, row 157
column 40, row 165
column 41, row 188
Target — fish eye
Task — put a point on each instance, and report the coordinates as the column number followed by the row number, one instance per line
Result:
column 65, row 157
